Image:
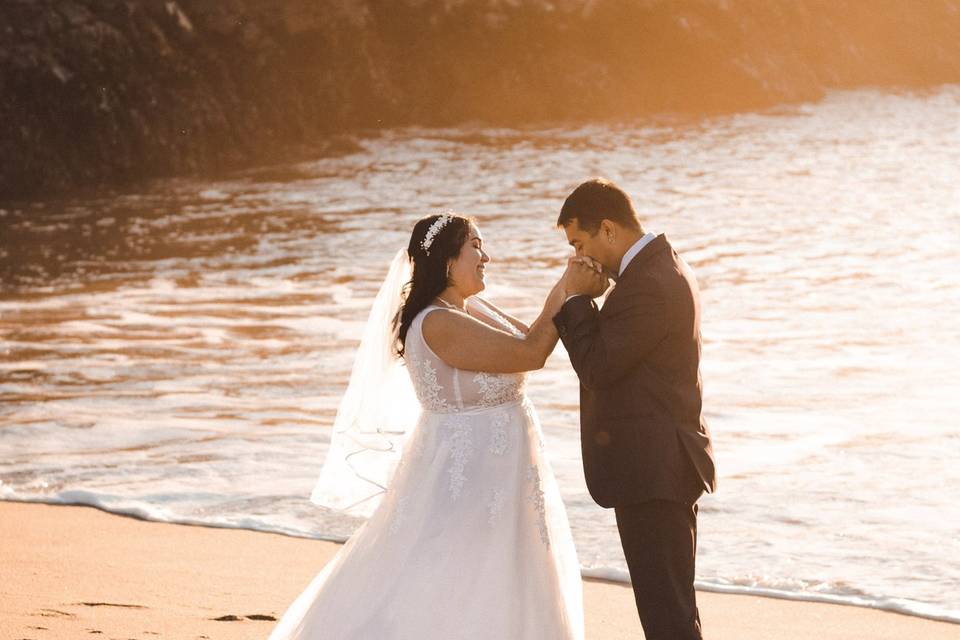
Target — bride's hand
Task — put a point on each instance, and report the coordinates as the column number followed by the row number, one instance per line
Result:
column 590, row 262
column 572, row 261
column 584, row 276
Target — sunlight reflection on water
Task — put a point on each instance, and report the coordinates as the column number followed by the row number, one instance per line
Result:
column 179, row 352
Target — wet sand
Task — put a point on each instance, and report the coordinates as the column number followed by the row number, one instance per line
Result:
column 69, row 572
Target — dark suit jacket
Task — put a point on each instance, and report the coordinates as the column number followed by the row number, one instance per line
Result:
column 642, row 430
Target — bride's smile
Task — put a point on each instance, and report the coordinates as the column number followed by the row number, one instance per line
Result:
column 467, row 270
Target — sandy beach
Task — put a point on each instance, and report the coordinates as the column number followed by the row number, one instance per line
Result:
column 69, row 572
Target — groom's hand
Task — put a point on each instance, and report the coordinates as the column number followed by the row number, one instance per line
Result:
column 584, row 278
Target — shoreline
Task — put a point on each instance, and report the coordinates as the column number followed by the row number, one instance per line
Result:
column 69, row 569
column 603, row 574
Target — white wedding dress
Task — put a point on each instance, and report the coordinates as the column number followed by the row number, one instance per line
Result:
column 471, row 539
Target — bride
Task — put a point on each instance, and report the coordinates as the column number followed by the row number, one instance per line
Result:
column 467, row 537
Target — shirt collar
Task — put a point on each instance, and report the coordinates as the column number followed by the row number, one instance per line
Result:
column 634, row 250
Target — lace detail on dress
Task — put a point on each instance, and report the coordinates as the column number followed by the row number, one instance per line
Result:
column 428, row 387
column 498, row 436
column 461, row 446
column 495, row 506
column 502, row 320
column 536, row 499
column 496, row 389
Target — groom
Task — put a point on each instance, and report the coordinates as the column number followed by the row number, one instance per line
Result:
column 646, row 447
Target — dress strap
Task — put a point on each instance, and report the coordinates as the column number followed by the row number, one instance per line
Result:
column 484, row 307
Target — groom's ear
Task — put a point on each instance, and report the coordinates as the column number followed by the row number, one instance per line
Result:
column 607, row 230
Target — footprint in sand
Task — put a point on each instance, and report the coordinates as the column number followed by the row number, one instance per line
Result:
column 110, row 604
column 55, row 613
column 232, row 618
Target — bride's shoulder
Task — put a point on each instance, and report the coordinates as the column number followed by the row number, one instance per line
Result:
column 428, row 312
column 434, row 314
column 442, row 326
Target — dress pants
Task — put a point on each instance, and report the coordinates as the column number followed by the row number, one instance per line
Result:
column 659, row 539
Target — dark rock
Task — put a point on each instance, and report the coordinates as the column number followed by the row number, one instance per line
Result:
column 96, row 92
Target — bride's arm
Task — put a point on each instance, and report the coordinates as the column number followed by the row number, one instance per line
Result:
column 464, row 342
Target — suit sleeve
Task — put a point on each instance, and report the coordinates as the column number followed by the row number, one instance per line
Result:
column 604, row 348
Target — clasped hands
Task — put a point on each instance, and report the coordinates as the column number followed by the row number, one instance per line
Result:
column 584, row 276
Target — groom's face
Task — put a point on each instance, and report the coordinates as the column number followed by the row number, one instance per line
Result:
column 591, row 245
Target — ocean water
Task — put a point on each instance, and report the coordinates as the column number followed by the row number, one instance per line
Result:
column 178, row 352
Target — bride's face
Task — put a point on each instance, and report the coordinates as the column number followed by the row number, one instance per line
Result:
column 467, row 269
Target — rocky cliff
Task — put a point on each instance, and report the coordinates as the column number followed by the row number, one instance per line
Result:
column 97, row 92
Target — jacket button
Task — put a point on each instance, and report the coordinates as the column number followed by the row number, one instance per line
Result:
column 602, row 438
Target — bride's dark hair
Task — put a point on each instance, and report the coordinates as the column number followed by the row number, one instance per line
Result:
column 429, row 277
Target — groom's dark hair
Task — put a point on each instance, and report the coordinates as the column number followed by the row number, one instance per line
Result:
column 597, row 200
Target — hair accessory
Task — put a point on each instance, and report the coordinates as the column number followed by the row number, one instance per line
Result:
column 434, row 229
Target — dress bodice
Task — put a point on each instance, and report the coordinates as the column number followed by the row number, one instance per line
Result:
column 445, row 389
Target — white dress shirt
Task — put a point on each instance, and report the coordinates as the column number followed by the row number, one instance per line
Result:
column 636, row 248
